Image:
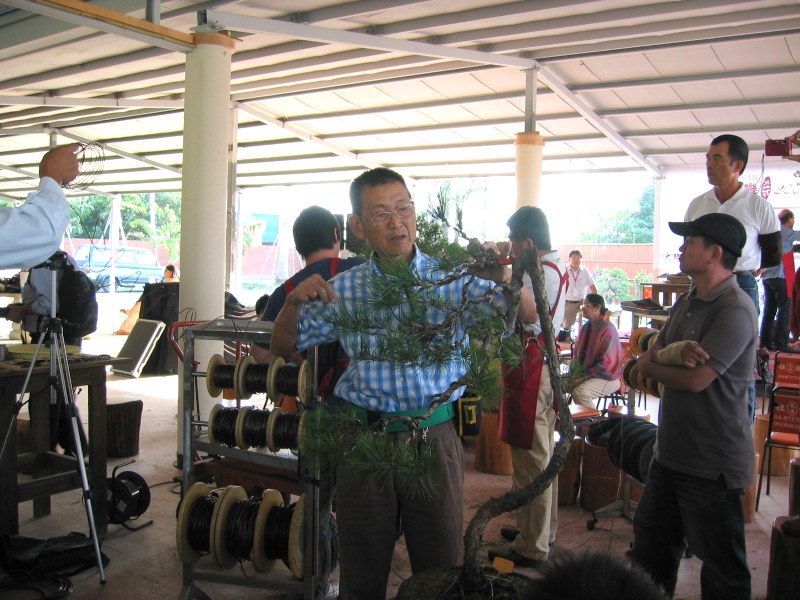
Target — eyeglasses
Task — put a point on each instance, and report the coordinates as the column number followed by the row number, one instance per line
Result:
column 402, row 212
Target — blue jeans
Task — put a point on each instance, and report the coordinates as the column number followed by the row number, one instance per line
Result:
column 776, row 302
column 677, row 509
column 747, row 282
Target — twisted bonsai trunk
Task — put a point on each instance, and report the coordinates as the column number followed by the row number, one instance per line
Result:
column 474, row 577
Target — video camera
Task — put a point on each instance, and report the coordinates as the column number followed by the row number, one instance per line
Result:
column 778, row 147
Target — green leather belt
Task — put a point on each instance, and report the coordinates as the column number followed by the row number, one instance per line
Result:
column 445, row 412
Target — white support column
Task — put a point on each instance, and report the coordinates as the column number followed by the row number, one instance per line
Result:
column 205, row 189
column 529, row 145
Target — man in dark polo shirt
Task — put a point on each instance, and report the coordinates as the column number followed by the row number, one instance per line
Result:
column 317, row 238
column 704, row 455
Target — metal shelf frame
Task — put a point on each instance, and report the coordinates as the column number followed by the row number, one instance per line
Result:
column 194, row 439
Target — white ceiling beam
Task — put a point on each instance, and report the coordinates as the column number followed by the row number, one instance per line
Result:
column 89, row 102
column 119, row 151
column 238, row 22
column 110, row 21
column 230, row 21
column 268, row 119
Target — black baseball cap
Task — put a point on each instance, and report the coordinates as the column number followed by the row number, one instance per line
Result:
column 723, row 229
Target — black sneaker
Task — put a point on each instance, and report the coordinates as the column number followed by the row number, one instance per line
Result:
column 509, row 533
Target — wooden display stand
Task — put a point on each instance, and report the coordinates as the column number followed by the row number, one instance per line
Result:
column 491, row 454
column 124, row 422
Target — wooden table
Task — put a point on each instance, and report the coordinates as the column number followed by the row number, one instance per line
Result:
column 659, row 316
column 666, row 294
column 52, row 473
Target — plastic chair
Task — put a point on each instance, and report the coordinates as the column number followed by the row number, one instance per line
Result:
column 783, row 431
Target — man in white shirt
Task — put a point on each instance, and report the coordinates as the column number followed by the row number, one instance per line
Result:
column 580, row 284
column 726, row 160
column 31, row 232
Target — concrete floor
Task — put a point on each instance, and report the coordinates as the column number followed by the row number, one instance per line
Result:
column 145, row 564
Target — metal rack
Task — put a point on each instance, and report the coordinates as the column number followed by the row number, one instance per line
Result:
column 194, row 439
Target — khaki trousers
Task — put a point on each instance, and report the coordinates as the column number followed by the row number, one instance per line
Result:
column 590, row 390
column 537, row 521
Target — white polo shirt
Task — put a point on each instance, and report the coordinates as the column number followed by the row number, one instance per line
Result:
column 751, row 210
column 579, row 283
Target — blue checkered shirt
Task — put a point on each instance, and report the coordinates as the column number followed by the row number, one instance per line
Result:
column 385, row 386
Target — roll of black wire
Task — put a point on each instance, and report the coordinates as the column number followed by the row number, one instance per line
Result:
column 255, row 379
column 287, row 379
column 199, row 523
column 254, row 428
column 240, row 527
column 219, row 376
column 128, row 497
column 276, row 538
column 286, row 428
column 629, row 441
column 222, row 424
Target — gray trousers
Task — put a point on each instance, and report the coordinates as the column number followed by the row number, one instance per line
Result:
column 368, row 518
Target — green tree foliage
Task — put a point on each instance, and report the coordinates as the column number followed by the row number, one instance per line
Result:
column 626, row 227
column 639, row 280
column 90, row 218
column 613, row 285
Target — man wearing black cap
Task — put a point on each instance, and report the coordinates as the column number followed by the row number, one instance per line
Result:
column 704, row 457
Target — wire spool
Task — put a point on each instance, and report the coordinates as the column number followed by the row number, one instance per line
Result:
column 290, row 380
column 251, row 428
column 282, row 430
column 219, row 376
column 634, row 341
column 270, row 499
column 219, row 520
column 193, row 530
column 296, row 534
column 252, row 378
column 222, row 425
column 626, row 372
column 652, row 387
column 128, row 496
column 240, row 372
column 647, row 338
column 633, row 376
column 660, row 389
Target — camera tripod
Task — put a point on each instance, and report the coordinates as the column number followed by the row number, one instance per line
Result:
column 60, row 380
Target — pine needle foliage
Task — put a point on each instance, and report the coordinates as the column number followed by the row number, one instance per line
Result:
column 406, row 321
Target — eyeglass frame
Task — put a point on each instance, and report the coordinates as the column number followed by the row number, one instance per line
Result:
column 389, row 214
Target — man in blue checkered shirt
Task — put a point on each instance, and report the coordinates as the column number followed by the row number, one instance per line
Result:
column 368, row 516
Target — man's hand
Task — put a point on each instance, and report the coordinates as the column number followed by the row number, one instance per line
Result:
column 794, row 139
column 61, row 164
column 685, row 353
column 692, row 374
column 17, row 312
column 311, row 289
column 496, row 273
